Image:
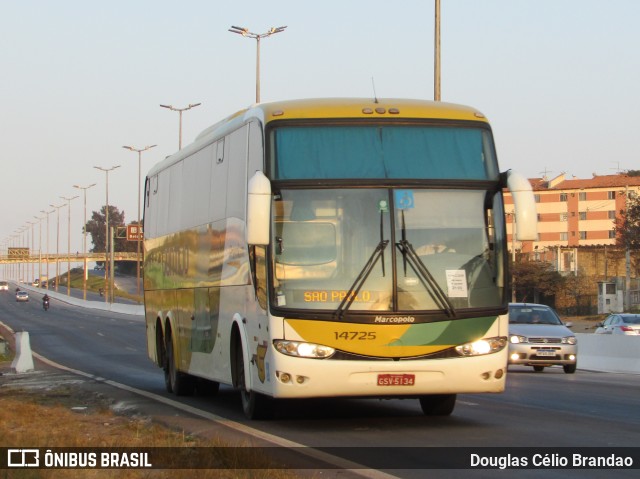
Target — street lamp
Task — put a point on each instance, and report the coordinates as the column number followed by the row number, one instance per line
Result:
column 39, row 249
column 84, row 239
column 57, row 245
column 47, row 255
column 33, row 266
column 17, row 242
column 258, row 36
column 139, row 151
column 106, row 238
column 68, row 200
column 180, row 110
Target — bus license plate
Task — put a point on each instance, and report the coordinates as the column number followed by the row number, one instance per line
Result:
column 545, row 352
column 396, row 379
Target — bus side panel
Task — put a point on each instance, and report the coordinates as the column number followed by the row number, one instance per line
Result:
column 209, row 342
column 185, row 317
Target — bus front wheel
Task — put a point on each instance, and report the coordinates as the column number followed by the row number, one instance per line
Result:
column 438, row 404
column 254, row 405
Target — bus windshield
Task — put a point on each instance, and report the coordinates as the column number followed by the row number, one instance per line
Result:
column 388, row 249
column 389, row 151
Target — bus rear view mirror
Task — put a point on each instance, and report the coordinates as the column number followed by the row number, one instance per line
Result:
column 258, row 209
column 524, row 204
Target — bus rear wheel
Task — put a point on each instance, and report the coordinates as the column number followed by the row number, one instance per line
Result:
column 176, row 382
column 438, row 404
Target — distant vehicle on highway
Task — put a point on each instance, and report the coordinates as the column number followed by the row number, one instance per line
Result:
column 622, row 323
column 4, row 286
column 538, row 338
column 22, row 296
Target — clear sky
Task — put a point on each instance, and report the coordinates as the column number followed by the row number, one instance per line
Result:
column 558, row 79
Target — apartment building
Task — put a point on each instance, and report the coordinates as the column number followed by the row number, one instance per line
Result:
column 576, row 233
column 575, row 212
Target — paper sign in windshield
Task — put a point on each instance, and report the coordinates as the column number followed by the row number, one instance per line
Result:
column 457, row 283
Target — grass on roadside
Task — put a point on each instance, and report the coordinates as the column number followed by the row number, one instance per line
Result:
column 94, row 283
column 67, row 417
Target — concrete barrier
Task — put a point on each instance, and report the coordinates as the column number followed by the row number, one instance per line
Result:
column 23, row 360
column 609, row 353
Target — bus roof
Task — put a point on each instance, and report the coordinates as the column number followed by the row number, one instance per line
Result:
column 329, row 108
column 366, row 108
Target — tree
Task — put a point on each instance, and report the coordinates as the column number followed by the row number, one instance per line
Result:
column 628, row 225
column 96, row 227
column 579, row 293
column 534, row 277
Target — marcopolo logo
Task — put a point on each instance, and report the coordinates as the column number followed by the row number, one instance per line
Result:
column 23, row 458
column 395, row 319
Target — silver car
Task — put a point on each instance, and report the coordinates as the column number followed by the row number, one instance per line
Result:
column 538, row 338
column 22, row 296
column 621, row 323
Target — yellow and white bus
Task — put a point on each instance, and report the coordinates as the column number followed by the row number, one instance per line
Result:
column 333, row 248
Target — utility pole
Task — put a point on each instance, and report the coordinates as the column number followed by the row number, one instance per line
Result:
column 436, row 69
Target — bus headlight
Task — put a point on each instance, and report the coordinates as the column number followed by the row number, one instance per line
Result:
column 482, row 346
column 303, row 350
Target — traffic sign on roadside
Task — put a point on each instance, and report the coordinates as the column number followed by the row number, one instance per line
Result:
column 134, row 233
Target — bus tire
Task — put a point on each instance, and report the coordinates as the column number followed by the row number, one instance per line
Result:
column 176, row 382
column 254, row 405
column 438, row 404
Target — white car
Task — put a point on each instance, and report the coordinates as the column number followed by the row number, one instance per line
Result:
column 622, row 323
column 4, row 286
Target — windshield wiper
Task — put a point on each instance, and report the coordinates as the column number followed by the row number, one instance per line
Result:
column 353, row 291
column 426, row 278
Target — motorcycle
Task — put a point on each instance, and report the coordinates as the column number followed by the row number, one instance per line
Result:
column 45, row 304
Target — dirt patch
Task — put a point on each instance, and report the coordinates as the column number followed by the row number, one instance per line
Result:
column 583, row 324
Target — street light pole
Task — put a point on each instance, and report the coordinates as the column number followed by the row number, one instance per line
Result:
column 257, row 36
column 106, row 236
column 57, row 245
column 180, row 110
column 84, row 240
column 139, row 151
column 39, row 250
column 33, row 267
column 48, row 251
column 68, row 200
column 436, row 70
